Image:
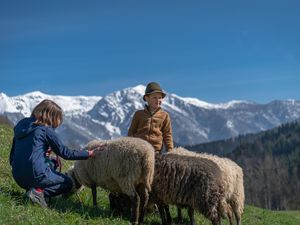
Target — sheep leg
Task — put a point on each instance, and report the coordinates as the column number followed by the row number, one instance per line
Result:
column 237, row 218
column 168, row 214
column 191, row 215
column 94, row 194
column 216, row 221
column 179, row 215
column 161, row 209
column 135, row 203
column 144, row 197
column 234, row 209
column 230, row 216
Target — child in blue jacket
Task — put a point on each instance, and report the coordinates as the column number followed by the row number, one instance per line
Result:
column 33, row 136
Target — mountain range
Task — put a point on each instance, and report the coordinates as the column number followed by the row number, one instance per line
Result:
column 193, row 121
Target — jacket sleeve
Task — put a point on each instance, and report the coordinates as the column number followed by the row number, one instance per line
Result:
column 63, row 151
column 167, row 134
column 11, row 155
column 133, row 127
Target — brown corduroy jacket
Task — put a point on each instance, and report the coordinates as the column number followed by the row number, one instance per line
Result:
column 155, row 128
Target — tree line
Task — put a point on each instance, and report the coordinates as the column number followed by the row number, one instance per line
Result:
column 271, row 165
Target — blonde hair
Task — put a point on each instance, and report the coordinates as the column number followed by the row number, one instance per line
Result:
column 48, row 113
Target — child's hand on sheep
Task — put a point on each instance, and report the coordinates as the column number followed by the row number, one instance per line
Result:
column 93, row 152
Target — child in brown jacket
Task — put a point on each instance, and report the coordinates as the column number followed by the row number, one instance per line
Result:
column 152, row 123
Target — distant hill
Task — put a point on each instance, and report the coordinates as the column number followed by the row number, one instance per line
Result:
column 5, row 121
column 271, row 164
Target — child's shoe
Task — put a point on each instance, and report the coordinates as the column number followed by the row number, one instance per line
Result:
column 37, row 197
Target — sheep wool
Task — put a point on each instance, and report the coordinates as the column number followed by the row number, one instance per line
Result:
column 232, row 181
column 125, row 166
column 183, row 181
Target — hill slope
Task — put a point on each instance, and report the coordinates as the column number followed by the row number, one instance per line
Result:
column 16, row 210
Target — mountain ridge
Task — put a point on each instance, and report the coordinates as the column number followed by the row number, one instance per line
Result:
column 194, row 121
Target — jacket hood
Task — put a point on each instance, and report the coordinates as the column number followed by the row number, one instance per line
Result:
column 24, row 127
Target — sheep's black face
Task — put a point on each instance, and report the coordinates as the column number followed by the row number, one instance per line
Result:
column 76, row 184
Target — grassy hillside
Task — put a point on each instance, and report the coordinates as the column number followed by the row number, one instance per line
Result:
column 15, row 209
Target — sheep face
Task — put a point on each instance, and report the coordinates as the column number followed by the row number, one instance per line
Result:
column 76, row 185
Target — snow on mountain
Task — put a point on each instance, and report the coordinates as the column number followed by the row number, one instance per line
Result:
column 24, row 104
column 206, row 105
column 117, row 108
column 193, row 121
column 6, row 104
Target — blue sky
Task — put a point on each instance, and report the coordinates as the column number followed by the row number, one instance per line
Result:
column 216, row 51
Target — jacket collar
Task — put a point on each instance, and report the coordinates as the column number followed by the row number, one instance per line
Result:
column 151, row 113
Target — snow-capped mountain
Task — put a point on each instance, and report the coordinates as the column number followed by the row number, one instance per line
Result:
column 193, row 121
column 24, row 104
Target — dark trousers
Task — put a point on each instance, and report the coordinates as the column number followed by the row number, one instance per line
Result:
column 53, row 183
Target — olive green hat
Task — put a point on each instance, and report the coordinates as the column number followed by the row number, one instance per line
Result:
column 153, row 87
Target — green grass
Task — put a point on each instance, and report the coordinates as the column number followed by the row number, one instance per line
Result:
column 15, row 209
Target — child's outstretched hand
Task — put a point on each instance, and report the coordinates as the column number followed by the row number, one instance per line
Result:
column 93, row 152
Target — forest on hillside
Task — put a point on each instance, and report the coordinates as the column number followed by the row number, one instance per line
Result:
column 271, row 165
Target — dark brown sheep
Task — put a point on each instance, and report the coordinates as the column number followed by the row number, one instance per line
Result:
column 183, row 181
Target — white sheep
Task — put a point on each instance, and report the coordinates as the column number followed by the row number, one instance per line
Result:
column 232, row 181
column 125, row 166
